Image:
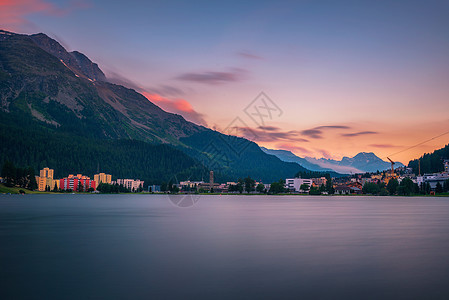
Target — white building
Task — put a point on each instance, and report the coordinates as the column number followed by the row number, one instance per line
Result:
column 294, row 184
column 190, row 184
column 131, row 184
column 432, row 179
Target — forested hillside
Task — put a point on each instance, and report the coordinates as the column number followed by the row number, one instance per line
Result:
column 59, row 111
column 431, row 162
column 39, row 147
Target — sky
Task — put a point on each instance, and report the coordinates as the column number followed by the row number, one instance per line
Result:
column 319, row 78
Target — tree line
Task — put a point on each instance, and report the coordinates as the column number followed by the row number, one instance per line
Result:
column 405, row 188
column 430, row 162
column 18, row 177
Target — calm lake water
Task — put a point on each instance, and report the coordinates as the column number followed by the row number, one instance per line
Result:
column 224, row 247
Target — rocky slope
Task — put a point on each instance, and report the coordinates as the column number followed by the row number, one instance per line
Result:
column 66, row 92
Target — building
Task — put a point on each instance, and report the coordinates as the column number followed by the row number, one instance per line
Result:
column 77, row 183
column 154, row 188
column 207, row 186
column 319, row 181
column 45, row 180
column 355, row 190
column 46, row 172
column 103, row 178
column 131, row 184
column 190, row 184
column 433, row 179
column 211, row 179
column 342, row 190
column 294, row 184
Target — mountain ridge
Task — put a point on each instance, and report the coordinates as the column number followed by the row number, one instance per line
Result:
column 44, row 84
column 362, row 162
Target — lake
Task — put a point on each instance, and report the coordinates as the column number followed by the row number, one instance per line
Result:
column 223, row 247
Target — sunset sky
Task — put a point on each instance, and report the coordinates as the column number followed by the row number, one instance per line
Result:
column 342, row 77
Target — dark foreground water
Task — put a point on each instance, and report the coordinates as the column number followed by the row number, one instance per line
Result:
column 228, row 247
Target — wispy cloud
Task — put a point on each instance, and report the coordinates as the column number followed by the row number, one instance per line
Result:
column 271, row 134
column 179, row 106
column 383, row 146
column 168, row 91
column 324, row 153
column 294, row 148
column 333, row 127
column 269, row 128
column 13, row 13
column 354, row 134
column 312, row 133
column 214, row 77
column 248, row 55
column 316, row 132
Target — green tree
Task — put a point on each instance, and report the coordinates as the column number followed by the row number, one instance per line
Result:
column 446, row 186
column 240, row 185
column 371, row 188
column 314, row 191
column 304, row 187
column 260, row 188
column 233, row 188
column 277, row 187
column 32, row 184
column 392, row 186
column 438, row 188
column 55, row 188
column 428, row 188
column 406, row 187
column 250, row 184
column 329, row 185
column 322, row 188
column 9, row 173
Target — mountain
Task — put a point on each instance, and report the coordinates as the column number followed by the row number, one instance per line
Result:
column 288, row 156
column 361, row 163
column 48, row 93
column 430, row 162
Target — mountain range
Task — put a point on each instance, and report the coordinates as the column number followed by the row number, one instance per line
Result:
column 360, row 163
column 59, row 110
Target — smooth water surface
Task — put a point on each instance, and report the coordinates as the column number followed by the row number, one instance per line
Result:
column 224, row 247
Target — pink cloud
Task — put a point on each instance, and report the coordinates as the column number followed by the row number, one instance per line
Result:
column 13, row 13
column 325, row 153
column 248, row 55
column 293, row 148
column 383, row 146
column 214, row 77
column 179, row 106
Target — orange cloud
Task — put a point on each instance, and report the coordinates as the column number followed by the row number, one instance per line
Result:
column 13, row 12
column 179, row 106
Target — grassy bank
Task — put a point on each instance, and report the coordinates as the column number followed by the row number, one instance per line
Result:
column 16, row 190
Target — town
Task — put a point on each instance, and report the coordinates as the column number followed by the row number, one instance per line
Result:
column 399, row 181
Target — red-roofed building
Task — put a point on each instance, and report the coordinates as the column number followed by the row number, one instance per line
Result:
column 78, row 183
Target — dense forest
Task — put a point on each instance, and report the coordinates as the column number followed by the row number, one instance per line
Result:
column 430, row 162
column 54, row 115
column 38, row 146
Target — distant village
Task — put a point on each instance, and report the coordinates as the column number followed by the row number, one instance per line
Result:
column 82, row 183
column 401, row 181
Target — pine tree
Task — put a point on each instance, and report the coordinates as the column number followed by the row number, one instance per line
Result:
column 32, row 184
column 9, row 173
column 446, row 186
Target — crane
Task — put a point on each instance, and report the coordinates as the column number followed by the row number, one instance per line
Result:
column 392, row 166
